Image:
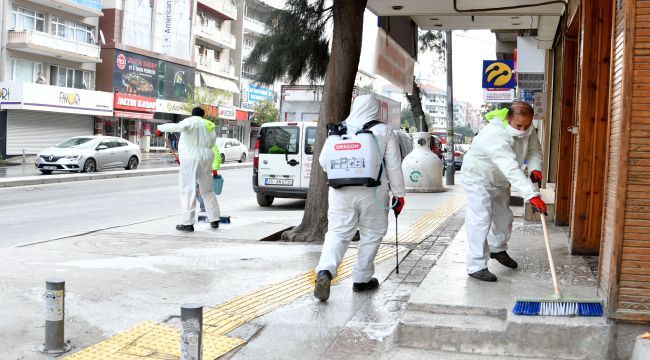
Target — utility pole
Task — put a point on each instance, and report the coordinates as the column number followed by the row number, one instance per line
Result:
column 450, row 113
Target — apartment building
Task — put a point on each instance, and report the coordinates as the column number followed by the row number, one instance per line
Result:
column 49, row 52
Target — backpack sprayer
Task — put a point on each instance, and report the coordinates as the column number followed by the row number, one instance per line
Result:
column 352, row 160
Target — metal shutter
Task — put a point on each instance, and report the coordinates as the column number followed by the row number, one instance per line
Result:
column 37, row 130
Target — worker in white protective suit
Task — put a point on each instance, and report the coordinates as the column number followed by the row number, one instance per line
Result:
column 492, row 165
column 195, row 155
column 365, row 208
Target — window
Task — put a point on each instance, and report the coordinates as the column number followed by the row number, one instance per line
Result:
column 79, row 79
column 25, row 70
column 24, row 19
column 279, row 140
column 72, row 30
column 310, row 140
column 249, row 44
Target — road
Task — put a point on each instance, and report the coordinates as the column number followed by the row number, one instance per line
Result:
column 33, row 214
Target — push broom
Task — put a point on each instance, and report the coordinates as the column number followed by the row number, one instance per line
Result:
column 557, row 304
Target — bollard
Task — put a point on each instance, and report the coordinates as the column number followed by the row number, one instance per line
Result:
column 191, row 332
column 54, row 317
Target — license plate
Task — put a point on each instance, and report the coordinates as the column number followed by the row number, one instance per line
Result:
column 281, row 182
column 49, row 167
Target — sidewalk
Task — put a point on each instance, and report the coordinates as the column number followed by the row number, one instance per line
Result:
column 152, row 164
column 130, row 281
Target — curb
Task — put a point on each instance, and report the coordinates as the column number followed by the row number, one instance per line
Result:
column 63, row 178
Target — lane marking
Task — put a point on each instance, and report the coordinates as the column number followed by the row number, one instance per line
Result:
column 158, row 341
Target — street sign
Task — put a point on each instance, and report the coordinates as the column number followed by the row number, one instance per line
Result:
column 498, row 74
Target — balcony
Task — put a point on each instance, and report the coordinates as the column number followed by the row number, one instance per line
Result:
column 224, row 7
column 41, row 43
column 254, row 27
column 83, row 8
column 214, row 36
column 215, row 67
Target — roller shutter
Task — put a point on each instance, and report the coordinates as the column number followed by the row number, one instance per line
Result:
column 37, row 130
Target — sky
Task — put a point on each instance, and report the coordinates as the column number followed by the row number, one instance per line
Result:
column 469, row 49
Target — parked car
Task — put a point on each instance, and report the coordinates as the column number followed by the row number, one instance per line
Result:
column 436, row 146
column 232, row 149
column 459, row 154
column 89, row 154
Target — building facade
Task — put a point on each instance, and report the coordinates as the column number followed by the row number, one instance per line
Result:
column 49, row 52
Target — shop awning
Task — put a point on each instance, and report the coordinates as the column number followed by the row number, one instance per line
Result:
column 219, row 83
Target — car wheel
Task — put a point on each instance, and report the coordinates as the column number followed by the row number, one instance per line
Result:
column 132, row 164
column 242, row 158
column 46, row 172
column 264, row 200
column 90, row 166
column 223, row 158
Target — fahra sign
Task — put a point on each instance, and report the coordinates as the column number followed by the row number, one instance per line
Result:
column 347, row 146
column 134, row 102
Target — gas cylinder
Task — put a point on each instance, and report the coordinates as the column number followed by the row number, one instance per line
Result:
column 422, row 168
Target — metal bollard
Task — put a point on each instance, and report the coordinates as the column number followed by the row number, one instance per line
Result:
column 191, row 332
column 54, row 297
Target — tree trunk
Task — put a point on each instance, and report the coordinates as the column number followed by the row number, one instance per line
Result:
column 335, row 107
column 415, row 100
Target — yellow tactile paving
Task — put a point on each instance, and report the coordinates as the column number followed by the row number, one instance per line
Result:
column 149, row 340
column 155, row 341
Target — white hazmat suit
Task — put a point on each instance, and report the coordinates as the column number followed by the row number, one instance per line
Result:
column 365, row 208
column 492, row 165
column 195, row 156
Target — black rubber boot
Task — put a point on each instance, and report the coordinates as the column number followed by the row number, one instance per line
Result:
column 322, row 289
column 370, row 285
column 188, row 228
column 504, row 259
column 483, row 275
column 214, row 224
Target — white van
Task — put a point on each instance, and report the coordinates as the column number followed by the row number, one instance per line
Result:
column 283, row 159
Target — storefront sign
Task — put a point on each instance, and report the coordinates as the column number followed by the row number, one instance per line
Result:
column 393, row 63
column 499, row 74
column 133, row 115
column 498, row 95
column 241, row 115
column 171, row 107
column 145, row 76
column 134, row 102
column 259, row 93
column 228, row 113
column 28, row 96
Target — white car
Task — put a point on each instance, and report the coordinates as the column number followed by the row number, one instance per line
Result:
column 232, row 149
column 89, row 154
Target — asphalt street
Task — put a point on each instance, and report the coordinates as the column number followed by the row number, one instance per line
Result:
column 32, row 214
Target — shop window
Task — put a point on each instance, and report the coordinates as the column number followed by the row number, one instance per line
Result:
column 23, row 19
column 25, row 70
column 78, row 79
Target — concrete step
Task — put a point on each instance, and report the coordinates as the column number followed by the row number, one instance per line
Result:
column 468, row 331
column 401, row 353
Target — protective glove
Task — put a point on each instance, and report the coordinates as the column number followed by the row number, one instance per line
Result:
column 399, row 204
column 158, row 133
column 539, row 204
column 214, row 173
column 536, row 176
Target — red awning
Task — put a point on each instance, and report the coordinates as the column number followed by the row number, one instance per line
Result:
column 134, row 115
column 241, row 115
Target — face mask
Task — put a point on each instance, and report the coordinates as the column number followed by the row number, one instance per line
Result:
column 514, row 132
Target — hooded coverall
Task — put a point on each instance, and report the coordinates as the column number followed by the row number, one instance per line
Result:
column 195, row 155
column 492, row 165
column 365, row 208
